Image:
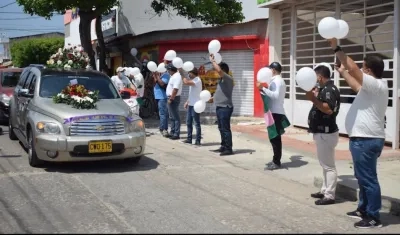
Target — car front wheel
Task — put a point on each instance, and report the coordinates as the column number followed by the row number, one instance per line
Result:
column 34, row 161
column 11, row 133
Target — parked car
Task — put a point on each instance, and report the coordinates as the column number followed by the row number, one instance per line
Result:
column 8, row 81
column 59, row 132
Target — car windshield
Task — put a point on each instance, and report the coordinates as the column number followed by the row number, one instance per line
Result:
column 51, row 85
column 10, row 79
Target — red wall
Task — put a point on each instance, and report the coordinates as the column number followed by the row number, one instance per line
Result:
column 260, row 47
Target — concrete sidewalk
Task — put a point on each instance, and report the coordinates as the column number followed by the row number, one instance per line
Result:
column 299, row 160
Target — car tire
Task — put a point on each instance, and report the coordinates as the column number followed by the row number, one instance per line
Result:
column 34, row 161
column 133, row 160
column 11, row 133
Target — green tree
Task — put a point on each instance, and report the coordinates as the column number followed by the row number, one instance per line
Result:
column 212, row 12
column 34, row 50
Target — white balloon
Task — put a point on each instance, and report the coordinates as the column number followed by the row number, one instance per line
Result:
column 177, row 62
column 326, row 65
column 199, row 106
column 170, row 55
column 343, row 29
column 161, row 68
column 264, row 75
column 152, row 66
column 217, row 58
column 205, row 95
column 306, row 78
column 134, row 52
column 328, row 27
column 188, row 66
column 135, row 71
column 214, row 46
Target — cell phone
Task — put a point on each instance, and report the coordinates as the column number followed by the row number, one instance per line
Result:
column 338, row 63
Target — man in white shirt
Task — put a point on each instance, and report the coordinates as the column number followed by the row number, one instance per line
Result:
column 364, row 124
column 116, row 79
column 195, row 87
column 174, row 91
column 275, row 91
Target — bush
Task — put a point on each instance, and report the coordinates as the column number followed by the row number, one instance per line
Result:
column 34, row 50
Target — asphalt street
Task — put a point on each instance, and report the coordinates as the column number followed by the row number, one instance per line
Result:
column 176, row 188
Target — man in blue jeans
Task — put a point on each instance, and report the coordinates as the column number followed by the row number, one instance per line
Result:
column 174, row 90
column 223, row 101
column 364, row 124
column 161, row 82
column 195, row 87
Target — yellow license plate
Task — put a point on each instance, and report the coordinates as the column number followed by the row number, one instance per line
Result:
column 100, row 147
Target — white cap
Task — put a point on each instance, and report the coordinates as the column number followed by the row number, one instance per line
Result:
column 120, row 69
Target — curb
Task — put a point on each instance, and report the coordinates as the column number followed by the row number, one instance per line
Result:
column 350, row 193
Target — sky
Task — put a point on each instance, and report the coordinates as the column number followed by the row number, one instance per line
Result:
column 15, row 23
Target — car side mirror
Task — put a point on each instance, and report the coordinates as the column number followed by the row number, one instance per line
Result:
column 125, row 95
column 25, row 93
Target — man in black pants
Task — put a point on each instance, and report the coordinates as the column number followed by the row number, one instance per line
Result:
column 275, row 91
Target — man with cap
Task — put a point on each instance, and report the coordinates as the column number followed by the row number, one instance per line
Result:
column 223, row 101
column 195, row 87
column 275, row 91
column 116, row 79
column 174, row 90
column 322, row 123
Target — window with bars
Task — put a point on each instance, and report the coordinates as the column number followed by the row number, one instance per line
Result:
column 285, row 57
column 371, row 33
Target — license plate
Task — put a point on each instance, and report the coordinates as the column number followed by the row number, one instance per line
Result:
column 100, row 147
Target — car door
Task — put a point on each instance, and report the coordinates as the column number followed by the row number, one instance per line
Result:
column 23, row 103
column 15, row 108
column 24, row 110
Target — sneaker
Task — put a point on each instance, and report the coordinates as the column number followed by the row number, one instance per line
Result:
column 272, row 167
column 166, row 134
column 226, row 153
column 220, row 150
column 324, row 201
column 187, row 142
column 368, row 223
column 356, row 214
column 174, row 138
column 318, row 195
column 197, row 143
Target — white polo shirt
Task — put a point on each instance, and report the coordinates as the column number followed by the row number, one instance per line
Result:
column 175, row 82
column 194, row 91
column 366, row 116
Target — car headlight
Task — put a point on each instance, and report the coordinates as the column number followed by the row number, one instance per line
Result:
column 5, row 99
column 136, row 126
column 48, row 127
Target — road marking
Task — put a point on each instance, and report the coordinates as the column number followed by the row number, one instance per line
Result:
column 107, row 205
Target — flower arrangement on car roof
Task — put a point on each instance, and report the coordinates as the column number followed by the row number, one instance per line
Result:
column 69, row 57
column 77, row 96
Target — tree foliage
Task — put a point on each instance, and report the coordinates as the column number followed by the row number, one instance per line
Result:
column 210, row 12
column 34, row 50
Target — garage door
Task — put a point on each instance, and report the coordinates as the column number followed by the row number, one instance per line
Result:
column 241, row 65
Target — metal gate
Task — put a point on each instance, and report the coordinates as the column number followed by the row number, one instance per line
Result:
column 371, row 33
column 241, row 64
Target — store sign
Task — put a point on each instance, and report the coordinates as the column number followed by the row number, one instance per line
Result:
column 109, row 24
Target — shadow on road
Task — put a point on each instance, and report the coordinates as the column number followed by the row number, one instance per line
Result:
column 244, row 151
column 295, row 162
column 210, row 144
column 9, row 156
column 107, row 166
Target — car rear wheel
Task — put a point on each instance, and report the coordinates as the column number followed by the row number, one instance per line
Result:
column 34, row 161
column 11, row 133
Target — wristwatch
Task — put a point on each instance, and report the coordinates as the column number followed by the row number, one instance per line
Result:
column 338, row 48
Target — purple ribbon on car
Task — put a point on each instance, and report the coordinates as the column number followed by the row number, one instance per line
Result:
column 97, row 117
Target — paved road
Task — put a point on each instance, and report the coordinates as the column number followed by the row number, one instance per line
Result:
column 175, row 189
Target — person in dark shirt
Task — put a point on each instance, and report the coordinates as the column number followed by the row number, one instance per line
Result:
column 322, row 123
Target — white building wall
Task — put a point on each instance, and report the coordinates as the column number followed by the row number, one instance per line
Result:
column 74, row 38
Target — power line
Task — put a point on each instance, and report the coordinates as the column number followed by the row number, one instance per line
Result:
column 9, row 4
column 22, row 13
column 23, row 18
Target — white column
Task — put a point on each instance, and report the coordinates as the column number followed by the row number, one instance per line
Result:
column 274, row 34
column 396, row 74
column 293, row 36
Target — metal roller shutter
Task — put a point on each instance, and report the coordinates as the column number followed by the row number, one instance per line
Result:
column 241, row 63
